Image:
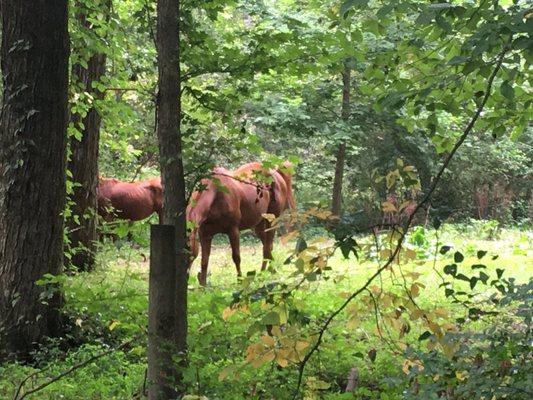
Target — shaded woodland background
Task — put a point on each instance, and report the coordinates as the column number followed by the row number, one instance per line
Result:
column 370, row 100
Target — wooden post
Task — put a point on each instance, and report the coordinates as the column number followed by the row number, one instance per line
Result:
column 162, row 293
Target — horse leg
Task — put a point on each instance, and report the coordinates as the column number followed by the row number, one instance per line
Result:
column 234, row 240
column 193, row 247
column 267, row 248
column 267, row 239
column 129, row 237
column 205, row 242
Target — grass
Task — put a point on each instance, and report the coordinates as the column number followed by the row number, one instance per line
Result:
column 109, row 306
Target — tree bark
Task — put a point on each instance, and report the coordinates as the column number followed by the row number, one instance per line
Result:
column 170, row 153
column 336, row 201
column 162, row 293
column 33, row 124
column 83, row 163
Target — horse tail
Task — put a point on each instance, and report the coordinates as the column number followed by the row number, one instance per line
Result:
column 287, row 177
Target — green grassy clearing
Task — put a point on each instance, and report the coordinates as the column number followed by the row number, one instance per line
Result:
column 109, row 306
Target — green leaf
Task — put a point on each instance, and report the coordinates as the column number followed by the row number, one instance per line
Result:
column 442, row 23
column 301, row 245
column 424, row 18
column 462, row 277
column 473, row 282
column 458, row 60
column 272, row 318
column 439, row 6
column 469, row 67
column 349, row 4
column 481, row 254
column 458, row 257
column 311, row 276
column 450, row 269
column 424, row 336
column 507, row 90
column 448, row 292
column 444, row 249
column 483, row 277
column 499, row 272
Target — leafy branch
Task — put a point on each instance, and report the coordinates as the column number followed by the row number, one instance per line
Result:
column 409, row 221
column 75, row 367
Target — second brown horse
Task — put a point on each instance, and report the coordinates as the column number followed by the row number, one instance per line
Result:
column 131, row 201
column 233, row 201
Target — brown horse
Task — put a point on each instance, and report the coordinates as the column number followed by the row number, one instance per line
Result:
column 233, row 201
column 131, row 201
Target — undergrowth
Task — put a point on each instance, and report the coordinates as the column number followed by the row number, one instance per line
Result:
column 108, row 306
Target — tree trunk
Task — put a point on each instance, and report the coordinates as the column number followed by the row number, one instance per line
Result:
column 33, row 124
column 170, row 153
column 336, row 202
column 83, row 163
column 162, row 294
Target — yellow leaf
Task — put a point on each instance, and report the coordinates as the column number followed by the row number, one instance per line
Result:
column 408, row 364
column 352, row 323
column 301, row 345
column 113, row 325
column 281, row 358
column 461, row 375
column 226, row 372
column 228, row 312
column 449, row 349
column 435, row 328
column 416, row 314
column 441, row 312
column 449, row 327
column 385, row 254
column 282, row 362
column 388, row 207
column 269, row 217
column 375, row 288
column 289, row 236
column 267, row 357
column 410, row 254
column 268, row 340
column 405, row 204
column 414, row 290
column 276, row 331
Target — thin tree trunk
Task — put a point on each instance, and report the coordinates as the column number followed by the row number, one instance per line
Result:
column 336, row 201
column 170, row 153
column 83, row 163
column 162, row 294
column 33, row 124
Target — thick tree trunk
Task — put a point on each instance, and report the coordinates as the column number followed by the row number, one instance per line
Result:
column 33, row 123
column 336, row 201
column 83, row 163
column 170, row 153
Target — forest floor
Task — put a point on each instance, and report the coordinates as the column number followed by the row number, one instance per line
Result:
column 108, row 306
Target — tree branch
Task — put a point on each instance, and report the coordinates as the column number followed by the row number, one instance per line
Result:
column 408, row 223
column 66, row 372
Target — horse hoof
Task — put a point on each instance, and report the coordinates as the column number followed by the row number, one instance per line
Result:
column 201, row 281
